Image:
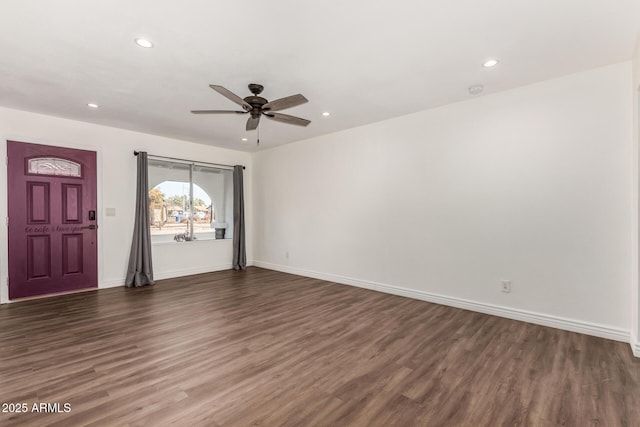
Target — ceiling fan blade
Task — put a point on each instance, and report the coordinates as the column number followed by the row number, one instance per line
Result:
column 218, row 112
column 285, row 118
column 252, row 123
column 282, row 103
column 231, row 96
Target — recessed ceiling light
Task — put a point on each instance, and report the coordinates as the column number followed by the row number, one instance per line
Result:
column 490, row 63
column 326, row 114
column 245, row 139
column 92, row 105
column 143, row 43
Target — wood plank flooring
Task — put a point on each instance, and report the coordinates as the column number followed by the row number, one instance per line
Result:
column 263, row 348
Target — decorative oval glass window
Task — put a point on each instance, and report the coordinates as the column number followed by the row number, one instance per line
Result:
column 53, row 166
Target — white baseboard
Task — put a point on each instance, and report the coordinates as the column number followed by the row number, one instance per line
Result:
column 190, row 271
column 572, row 325
column 114, row 283
column 172, row 274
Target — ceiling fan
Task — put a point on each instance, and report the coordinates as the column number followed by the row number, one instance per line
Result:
column 258, row 106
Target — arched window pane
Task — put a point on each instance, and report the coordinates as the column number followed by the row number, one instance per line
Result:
column 54, row 166
column 189, row 202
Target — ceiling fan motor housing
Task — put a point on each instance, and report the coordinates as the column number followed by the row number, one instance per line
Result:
column 255, row 101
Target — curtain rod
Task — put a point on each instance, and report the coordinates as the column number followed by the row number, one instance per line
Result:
column 135, row 153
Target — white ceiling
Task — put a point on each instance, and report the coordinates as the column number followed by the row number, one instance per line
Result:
column 362, row 60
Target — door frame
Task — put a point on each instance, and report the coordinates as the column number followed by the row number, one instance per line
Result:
column 4, row 205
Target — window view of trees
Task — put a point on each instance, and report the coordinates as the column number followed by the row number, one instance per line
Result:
column 172, row 213
column 189, row 201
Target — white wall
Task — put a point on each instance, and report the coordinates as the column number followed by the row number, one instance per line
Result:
column 116, row 189
column 533, row 185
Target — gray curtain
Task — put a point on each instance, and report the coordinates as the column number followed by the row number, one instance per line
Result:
column 239, row 248
column 140, row 271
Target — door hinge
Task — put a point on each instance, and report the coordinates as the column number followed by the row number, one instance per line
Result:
column 7, row 221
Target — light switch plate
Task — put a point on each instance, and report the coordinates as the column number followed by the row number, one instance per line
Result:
column 110, row 211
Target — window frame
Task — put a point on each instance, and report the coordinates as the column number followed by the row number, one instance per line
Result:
column 191, row 202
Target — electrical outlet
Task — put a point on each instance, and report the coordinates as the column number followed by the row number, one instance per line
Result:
column 506, row 286
column 286, row 254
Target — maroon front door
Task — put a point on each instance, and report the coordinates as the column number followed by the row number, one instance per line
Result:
column 52, row 219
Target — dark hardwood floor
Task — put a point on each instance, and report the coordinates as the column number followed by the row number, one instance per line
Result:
column 267, row 348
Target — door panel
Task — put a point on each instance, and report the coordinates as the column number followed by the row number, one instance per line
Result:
column 72, row 254
column 38, row 202
column 71, row 203
column 52, row 249
column 39, row 257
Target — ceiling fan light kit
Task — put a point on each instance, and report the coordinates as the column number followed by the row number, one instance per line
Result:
column 257, row 106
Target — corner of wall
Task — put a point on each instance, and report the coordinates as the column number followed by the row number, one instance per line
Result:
column 635, row 345
column 4, row 292
column 635, row 131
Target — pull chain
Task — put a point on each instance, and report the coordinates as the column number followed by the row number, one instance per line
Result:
column 258, row 141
